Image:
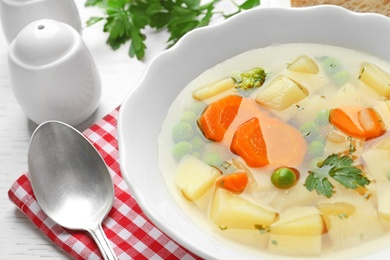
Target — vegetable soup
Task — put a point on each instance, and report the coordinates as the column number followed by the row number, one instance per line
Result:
column 284, row 149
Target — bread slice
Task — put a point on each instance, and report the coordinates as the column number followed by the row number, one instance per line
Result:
column 373, row 6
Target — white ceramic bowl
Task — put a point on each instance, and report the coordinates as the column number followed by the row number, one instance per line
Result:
column 143, row 111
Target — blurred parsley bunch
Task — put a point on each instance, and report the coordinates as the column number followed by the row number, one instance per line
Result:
column 124, row 20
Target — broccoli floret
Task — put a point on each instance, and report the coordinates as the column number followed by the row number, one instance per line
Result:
column 253, row 78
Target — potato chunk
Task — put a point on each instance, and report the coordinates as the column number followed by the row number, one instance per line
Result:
column 304, row 64
column 376, row 78
column 297, row 232
column 281, row 93
column 385, row 145
column 213, row 89
column 231, row 211
column 378, row 164
column 194, row 177
column 350, row 219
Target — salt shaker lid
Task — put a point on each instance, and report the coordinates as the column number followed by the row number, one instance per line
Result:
column 43, row 42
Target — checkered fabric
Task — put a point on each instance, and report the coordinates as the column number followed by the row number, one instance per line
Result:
column 131, row 234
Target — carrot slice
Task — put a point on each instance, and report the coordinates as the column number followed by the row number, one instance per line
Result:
column 217, row 117
column 344, row 123
column 285, row 144
column 235, row 182
column 248, row 142
column 371, row 123
column 368, row 124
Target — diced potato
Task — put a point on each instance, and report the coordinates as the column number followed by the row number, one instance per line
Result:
column 295, row 245
column 348, row 95
column 213, row 89
column 304, row 64
column 281, row 93
column 231, row 211
column 297, row 232
column 312, row 82
column 385, row 145
column 381, row 107
column 299, row 221
column 387, row 102
column 383, row 195
column 194, row 177
column 376, row 78
column 341, row 209
column 295, row 196
column 350, row 219
column 310, row 110
column 378, row 164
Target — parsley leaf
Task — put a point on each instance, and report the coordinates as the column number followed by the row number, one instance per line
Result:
column 339, row 168
column 125, row 20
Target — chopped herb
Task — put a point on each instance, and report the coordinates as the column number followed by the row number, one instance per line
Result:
column 226, row 165
column 352, row 145
column 338, row 168
column 223, row 227
column 343, row 216
column 274, row 242
column 263, row 229
column 367, row 195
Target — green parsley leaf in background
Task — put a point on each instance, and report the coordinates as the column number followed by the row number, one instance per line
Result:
column 125, row 20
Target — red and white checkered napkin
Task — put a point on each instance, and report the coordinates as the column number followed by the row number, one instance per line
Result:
column 131, row 234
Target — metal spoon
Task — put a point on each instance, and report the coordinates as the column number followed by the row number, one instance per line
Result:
column 71, row 181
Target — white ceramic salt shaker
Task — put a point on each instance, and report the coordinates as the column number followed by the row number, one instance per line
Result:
column 16, row 14
column 52, row 73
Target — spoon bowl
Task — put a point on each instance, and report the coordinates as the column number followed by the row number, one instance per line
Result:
column 70, row 180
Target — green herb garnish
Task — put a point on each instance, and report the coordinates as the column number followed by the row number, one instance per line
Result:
column 339, row 168
column 125, row 20
column 253, row 78
column 263, row 229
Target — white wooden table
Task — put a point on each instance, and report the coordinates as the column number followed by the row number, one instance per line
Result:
column 19, row 238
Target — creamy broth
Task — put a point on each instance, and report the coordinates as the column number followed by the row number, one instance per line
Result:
column 292, row 221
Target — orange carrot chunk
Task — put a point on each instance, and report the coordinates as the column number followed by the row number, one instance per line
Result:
column 344, row 123
column 217, row 117
column 235, row 182
column 370, row 122
column 248, row 142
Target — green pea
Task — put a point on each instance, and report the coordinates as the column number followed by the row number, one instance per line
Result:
column 197, row 107
column 316, row 148
column 340, row 78
column 309, row 128
column 213, row 159
column 322, row 117
column 196, row 154
column 181, row 149
column 284, row 177
column 182, row 132
column 331, row 65
column 188, row 117
column 198, row 143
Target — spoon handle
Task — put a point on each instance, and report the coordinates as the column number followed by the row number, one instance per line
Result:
column 102, row 242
